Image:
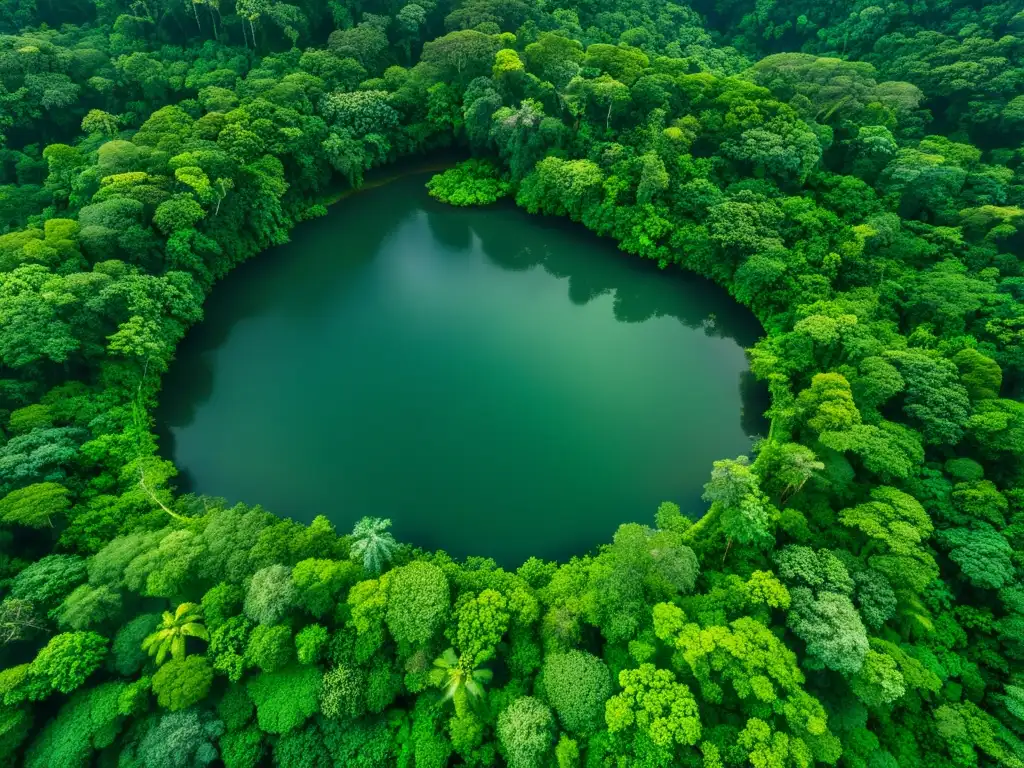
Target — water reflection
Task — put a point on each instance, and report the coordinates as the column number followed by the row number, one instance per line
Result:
column 380, row 364
column 642, row 291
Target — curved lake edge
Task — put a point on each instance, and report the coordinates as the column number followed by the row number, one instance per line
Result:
column 390, row 175
column 383, row 175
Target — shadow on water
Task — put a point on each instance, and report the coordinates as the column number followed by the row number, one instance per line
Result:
column 595, row 267
column 600, row 269
column 271, row 282
column 326, row 258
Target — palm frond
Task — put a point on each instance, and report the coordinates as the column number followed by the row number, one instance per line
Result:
column 171, row 636
column 452, row 689
column 196, row 630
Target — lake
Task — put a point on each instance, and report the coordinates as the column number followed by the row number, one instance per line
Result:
column 496, row 383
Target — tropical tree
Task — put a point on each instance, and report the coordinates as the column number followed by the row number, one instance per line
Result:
column 373, row 544
column 418, row 602
column 170, row 635
column 35, row 505
column 526, row 732
column 67, row 660
column 458, row 679
column 792, row 466
column 577, row 684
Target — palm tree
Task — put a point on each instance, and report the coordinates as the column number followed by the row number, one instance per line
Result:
column 373, row 544
column 170, row 636
column 458, row 680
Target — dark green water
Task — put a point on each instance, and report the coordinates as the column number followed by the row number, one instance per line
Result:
column 498, row 384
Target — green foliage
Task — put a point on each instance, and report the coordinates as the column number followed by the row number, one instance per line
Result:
column 270, row 647
column 897, row 526
column 981, row 376
column 734, row 490
column 418, row 601
column 46, row 582
column 221, row 603
column 362, row 112
column 286, row 698
column 526, row 732
column 879, row 682
column 482, row 621
column 319, row 582
column 983, row 554
column 577, row 685
column 831, row 627
column 372, row 544
column 270, row 594
column 242, row 749
column 851, row 172
column 641, row 564
column 473, row 182
column 34, row 506
column 655, row 709
column 14, row 728
column 343, row 696
column 235, row 708
column 87, row 606
column 310, row 644
column 68, row 660
column 302, row 748
column 24, row 420
column 458, row 679
column 228, row 646
column 127, row 656
column 567, row 753
column 177, row 740
column 89, row 721
column 173, row 631
column 180, row 683
column 559, row 186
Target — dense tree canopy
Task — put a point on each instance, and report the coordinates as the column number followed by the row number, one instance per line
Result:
column 851, row 594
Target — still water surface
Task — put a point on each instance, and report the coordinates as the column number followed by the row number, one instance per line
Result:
column 496, row 383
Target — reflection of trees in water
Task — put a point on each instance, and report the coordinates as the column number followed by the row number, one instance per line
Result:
column 290, row 279
column 191, row 388
column 302, row 274
column 595, row 267
column 641, row 291
column 449, row 226
column 756, row 400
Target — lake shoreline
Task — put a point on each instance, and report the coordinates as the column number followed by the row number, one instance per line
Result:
column 430, row 358
column 396, row 171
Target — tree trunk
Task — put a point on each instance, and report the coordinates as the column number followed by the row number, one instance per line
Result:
column 152, row 496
